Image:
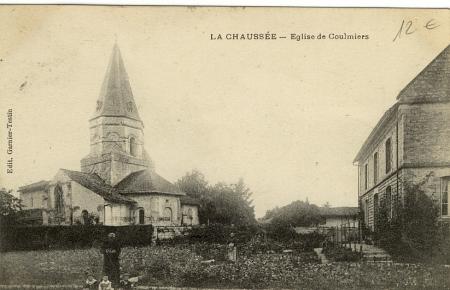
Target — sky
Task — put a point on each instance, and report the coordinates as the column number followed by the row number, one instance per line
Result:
column 287, row 116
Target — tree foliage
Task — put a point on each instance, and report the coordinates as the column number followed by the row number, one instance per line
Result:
column 298, row 213
column 9, row 204
column 194, row 184
column 410, row 231
column 220, row 203
column 9, row 207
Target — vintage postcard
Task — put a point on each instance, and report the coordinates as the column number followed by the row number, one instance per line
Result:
column 219, row 147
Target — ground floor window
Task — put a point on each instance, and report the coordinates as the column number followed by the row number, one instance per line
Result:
column 366, row 212
column 376, row 210
column 388, row 201
column 444, row 199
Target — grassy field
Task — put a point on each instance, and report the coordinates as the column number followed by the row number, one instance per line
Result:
column 181, row 266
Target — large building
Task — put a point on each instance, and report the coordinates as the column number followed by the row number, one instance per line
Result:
column 117, row 184
column 410, row 142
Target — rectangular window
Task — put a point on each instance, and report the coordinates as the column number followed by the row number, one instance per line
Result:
column 375, row 168
column 367, row 213
column 366, row 176
column 444, row 199
column 388, row 147
column 388, row 197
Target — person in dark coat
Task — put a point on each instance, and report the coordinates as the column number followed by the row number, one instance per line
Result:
column 231, row 248
column 111, row 264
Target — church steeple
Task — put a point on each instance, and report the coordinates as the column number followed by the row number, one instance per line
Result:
column 116, row 97
column 117, row 135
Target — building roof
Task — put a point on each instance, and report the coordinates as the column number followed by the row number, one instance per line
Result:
column 34, row 186
column 116, row 97
column 96, row 184
column 189, row 200
column 387, row 116
column 146, row 181
column 339, row 211
column 432, row 84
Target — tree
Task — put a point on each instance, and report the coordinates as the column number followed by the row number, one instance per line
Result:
column 270, row 213
column 297, row 213
column 222, row 203
column 9, row 206
column 193, row 184
column 232, row 204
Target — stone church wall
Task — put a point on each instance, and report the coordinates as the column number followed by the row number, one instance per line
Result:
column 85, row 199
column 34, row 199
column 156, row 208
column 190, row 215
column 117, row 214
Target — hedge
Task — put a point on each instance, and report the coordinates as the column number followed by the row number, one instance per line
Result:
column 218, row 233
column 71, row 237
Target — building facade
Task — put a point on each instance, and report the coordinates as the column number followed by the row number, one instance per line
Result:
column 117, row 184
column 410, row 143
column 339, row 217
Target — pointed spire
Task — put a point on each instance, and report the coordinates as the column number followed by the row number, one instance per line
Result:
column 116, row 97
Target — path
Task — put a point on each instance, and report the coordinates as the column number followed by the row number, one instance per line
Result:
column 371, row 253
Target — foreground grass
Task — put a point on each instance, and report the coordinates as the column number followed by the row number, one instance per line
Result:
column 181, row 266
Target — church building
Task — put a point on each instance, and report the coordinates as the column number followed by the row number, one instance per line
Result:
column 117, row 184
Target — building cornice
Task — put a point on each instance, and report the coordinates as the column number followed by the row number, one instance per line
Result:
column 374, row 136
column 408, row 166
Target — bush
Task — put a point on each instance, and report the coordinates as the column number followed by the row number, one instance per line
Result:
column 341, row 254
column 412, row 234
column 71, row 237
column 218, row 233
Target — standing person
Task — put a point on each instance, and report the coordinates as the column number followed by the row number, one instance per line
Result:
column 231, row 248
column 111, row 264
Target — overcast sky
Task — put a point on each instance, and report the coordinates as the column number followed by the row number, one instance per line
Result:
column 287, row 116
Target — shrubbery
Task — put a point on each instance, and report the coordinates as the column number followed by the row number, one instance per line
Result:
column 71, row 237
column 413, row 233
column 341, row 254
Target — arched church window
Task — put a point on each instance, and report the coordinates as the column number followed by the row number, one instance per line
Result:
column 168, row 214
column 133, row 146
column 59, row 200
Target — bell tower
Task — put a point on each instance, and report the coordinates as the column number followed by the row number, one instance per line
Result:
column 117, row 136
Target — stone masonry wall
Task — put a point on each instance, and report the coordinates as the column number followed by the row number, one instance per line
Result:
column 427, row 134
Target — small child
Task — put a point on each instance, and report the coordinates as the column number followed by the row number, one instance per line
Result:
column 91, row 283
column 126, row 283
column 105, row 284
